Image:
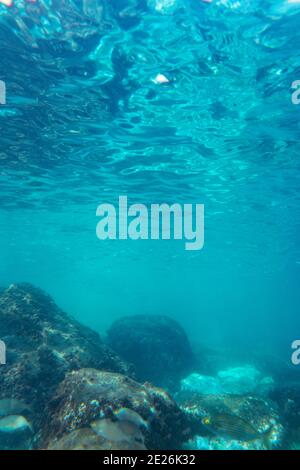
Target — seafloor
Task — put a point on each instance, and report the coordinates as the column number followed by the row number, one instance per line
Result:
column 142, row 387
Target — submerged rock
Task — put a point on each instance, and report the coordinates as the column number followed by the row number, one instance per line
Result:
column 243, row 380
column 156, row 345
column 121, row 412
column 200, row 384
column 220, row 443
column 233, row 381
column 287, row 397
column 86, row 439
column 43, row 343
column 236, row 397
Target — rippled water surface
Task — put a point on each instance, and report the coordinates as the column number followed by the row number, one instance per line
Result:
column 86, row 121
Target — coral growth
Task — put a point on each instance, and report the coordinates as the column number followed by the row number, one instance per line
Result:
column 115, row 408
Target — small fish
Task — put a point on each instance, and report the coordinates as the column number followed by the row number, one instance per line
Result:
column 108, row 430
column 117, row 431
column 234, row 427
column 126, row 414
column 15, row 424
column 12, row 406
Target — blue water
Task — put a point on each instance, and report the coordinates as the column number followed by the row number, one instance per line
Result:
column 85, row 122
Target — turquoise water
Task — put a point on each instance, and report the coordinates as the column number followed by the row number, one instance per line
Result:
column 85, row 121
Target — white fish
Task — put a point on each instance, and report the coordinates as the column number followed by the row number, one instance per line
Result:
column 131, row 416
column 117, row 431
column 14, row 424
column 160, row 79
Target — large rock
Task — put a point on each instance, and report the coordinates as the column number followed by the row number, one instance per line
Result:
column 233, row 381
column 43, row 343
column 156, row 345
column 87, row 439
column 96, row 409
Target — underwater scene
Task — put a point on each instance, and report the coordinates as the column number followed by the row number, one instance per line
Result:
column 150, row 224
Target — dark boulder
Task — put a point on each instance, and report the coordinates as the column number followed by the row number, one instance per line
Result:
column 156, row 345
